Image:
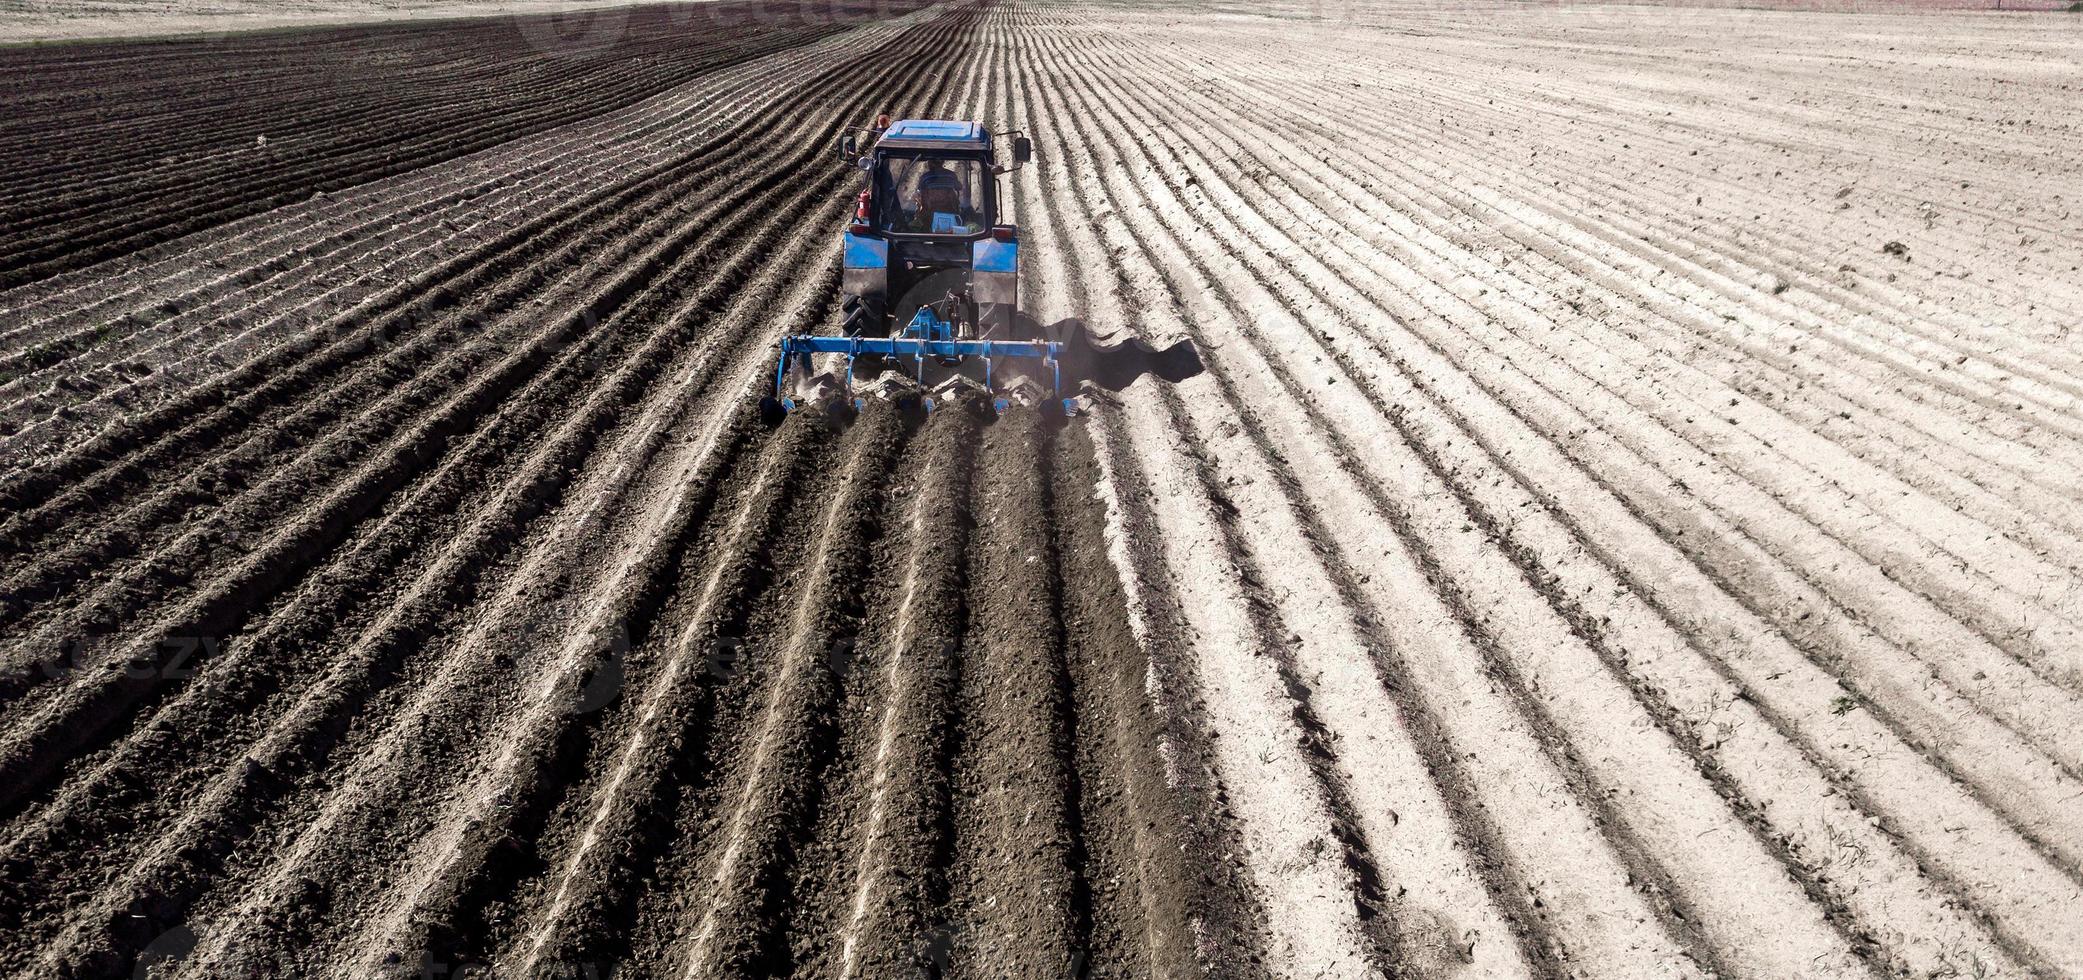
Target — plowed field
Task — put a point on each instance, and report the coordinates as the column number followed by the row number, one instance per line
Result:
column 1625, row 517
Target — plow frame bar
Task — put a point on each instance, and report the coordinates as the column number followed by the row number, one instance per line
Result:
column 801, row 347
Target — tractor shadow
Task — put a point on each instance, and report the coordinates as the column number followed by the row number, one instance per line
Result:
column 1114, row 362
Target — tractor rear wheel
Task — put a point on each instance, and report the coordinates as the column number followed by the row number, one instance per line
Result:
column 862, row 315
column 999, row 321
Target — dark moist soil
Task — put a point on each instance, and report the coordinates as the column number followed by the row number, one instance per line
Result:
column 313, row 110
column 1144, row 872
column 918, row 697
column 1015, row 902
column 285, row 506
column 285, row 633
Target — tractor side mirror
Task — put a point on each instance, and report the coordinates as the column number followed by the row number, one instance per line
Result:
column 1023, row 149
column 849, row 147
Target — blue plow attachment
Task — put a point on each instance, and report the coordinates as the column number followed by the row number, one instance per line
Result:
column 919, row 350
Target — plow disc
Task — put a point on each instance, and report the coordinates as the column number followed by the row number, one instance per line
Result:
column 927, row 338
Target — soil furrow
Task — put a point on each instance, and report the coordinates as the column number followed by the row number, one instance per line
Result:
column 1581, row 491
column 869, row 877
column 1013, row 894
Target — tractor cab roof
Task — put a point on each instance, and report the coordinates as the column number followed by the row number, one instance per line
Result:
column 934, row 134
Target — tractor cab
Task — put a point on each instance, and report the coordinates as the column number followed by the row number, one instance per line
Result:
column 932, row 192
column 929, row 177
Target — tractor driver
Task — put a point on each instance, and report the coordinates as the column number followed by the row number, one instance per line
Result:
column 940, row 208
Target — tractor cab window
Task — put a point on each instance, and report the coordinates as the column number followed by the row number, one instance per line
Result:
column 931, row 195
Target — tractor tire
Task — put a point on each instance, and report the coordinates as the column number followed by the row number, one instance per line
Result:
column 862, row 316
column 999, row 321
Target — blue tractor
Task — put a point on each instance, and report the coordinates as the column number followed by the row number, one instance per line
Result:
column 931, row 267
